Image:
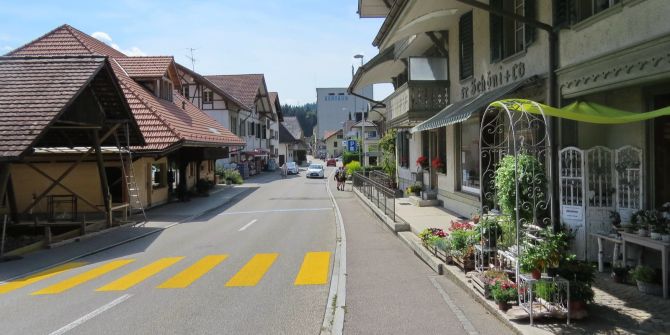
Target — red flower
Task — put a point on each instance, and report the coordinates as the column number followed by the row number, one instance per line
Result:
column 422, row 161
column 436, row 163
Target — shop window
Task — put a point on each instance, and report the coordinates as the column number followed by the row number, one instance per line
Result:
column 469, row 152
column 465, row 41
column 509, row 36
column 158, row 175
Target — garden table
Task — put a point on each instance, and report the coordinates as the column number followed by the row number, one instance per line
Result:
column 617, row 244
column 661, row 246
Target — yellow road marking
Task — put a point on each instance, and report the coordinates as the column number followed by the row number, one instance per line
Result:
column 138, row 276
column 253, row 271
column 83, row 277
column 314, row 269
column 25, row 281
column 193, row 272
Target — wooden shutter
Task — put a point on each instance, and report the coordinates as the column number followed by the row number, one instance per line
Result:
column 531, row 13
column 496, row 32
column 465, row 43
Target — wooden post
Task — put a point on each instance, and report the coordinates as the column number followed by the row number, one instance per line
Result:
column 106, row 197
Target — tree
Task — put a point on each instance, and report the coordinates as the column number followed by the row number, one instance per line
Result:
column 305, row 113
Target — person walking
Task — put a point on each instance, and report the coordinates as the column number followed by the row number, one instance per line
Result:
column 340, row 177
column 284, row 170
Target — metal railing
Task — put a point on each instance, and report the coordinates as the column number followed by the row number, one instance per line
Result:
column 377, row 191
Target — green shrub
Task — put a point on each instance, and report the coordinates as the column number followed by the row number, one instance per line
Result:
column 348, row 157
column 233, row 176
column 644, row 274
column 353, row 166
column 531, row 178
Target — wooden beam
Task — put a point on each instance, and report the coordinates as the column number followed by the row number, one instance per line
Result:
column 67, row 172
column 438, row 43
column 106, row 197
column 63, row 186
column 11, row 201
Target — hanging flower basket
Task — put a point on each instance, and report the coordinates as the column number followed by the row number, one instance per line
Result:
column 422, row 162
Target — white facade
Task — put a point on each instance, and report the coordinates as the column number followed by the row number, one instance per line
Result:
column 334, row 105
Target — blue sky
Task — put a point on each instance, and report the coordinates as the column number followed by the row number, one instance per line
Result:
column 298, row 44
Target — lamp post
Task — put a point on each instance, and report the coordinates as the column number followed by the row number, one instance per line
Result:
column 362, row 154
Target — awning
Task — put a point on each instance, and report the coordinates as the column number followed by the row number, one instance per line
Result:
column 377, row 70
column 584, row 111
column 462, row 110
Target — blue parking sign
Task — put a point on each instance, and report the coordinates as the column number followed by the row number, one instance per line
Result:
column 352, row 145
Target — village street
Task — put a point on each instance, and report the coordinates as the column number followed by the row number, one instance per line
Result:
column 261, row 264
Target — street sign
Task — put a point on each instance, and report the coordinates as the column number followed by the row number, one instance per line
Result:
column 352, row 145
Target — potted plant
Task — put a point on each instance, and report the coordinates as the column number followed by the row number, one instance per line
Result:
column 615, row 218
column 545, row 290
column 422, row 162
column 620, row 274
column 581, row 276
column 646, row 280
column 438, row 165
column 532, row 260
column 504, row 291
column 489, row 230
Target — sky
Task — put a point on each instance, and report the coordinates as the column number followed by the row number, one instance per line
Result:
column 298, row 44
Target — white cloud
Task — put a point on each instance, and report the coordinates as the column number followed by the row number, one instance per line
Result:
column 104, row 37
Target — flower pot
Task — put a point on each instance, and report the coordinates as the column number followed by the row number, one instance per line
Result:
column 649, row 288
column 619, row 277
column 577, row 306
column 655, row 236
column 503, row 305
column 536, row 274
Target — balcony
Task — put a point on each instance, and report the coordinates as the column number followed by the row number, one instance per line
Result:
column 409, row 105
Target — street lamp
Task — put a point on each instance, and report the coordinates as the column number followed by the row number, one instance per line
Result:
column 360, row 56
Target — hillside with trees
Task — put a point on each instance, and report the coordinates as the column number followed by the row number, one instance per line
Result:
column 306, row 115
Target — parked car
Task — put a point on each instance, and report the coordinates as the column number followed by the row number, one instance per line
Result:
column 292, row 168
column 331, row 162
column 315, row 171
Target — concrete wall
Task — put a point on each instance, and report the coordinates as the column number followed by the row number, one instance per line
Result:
column 332, row 110
column 627, row 23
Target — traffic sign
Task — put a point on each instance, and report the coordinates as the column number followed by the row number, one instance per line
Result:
column 352, row 145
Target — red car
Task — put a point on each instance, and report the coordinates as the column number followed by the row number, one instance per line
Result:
column 331, row 162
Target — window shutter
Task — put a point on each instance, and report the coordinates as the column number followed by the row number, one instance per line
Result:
column 529, row 12
column 496, row 32
column 465, row 43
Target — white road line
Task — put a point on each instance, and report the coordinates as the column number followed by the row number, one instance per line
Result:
column 91, row 315
column 248, row 224
column 467, row 325
column 281, row 211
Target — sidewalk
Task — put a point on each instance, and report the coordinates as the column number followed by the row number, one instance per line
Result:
column 159, row 218
column 618, row 308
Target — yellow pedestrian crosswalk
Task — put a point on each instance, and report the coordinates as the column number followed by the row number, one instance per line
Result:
column 247, row 272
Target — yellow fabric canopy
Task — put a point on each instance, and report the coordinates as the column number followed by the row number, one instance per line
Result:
column 583, row 111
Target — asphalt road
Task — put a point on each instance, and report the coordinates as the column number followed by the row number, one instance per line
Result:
column 262, row 266
column 259, row 266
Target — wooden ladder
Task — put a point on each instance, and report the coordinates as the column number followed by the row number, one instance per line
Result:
column 134, row 199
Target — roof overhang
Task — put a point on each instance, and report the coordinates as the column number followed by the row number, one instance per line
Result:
column 373, row 8
column 377, row 70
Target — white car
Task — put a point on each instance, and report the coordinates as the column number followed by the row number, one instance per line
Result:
column 292, row 168
column 315, row 171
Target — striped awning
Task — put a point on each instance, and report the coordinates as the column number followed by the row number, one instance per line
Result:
column 462, row 110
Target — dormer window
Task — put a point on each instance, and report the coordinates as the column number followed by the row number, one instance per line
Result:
column 165, row 90
column 207, row 97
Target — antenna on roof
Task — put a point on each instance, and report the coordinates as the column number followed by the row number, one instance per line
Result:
column 192, row 58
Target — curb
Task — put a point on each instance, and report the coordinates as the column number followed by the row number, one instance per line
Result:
column 412, row 242
column 107, row 247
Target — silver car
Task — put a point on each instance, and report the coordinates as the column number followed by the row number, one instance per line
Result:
column 315, row 171
column 292, row 168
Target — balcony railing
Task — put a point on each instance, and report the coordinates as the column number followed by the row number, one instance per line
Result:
column 409, row 105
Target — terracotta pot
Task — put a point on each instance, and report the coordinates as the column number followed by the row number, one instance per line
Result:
column 537, row 274
column 503, row 305
column 577, row 305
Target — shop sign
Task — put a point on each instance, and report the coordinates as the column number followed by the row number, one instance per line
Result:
column 493, row 80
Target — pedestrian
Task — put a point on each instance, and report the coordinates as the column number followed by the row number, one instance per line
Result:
column 284, row 170
column 336, row 177
column 341, row 177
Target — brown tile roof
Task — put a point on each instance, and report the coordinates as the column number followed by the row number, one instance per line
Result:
column 146, row 66
column 329, row 133
column 242, row 86
column 34, row 92
column 163, row 123
column 66, row 40
column 212, row 86
column 293, row 125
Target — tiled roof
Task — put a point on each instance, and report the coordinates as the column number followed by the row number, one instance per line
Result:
column 293, row 126
column 242, row 86
column 163, row 123
column 285, row 136
column 33, row 92
column 273, row 97
column 329, row 133
column 212, row 86
column 145, row 66
column 367, row 124
column 66, row 40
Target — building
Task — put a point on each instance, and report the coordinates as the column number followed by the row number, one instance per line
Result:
column 335, row 105
column 448, row 60
column 368, row 133
column 334, row 143
column 180, row 146
column 293, row 140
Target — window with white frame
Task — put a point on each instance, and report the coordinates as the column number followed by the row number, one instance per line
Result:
column 207, row 97
column 185, row 90
column 509, row 36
